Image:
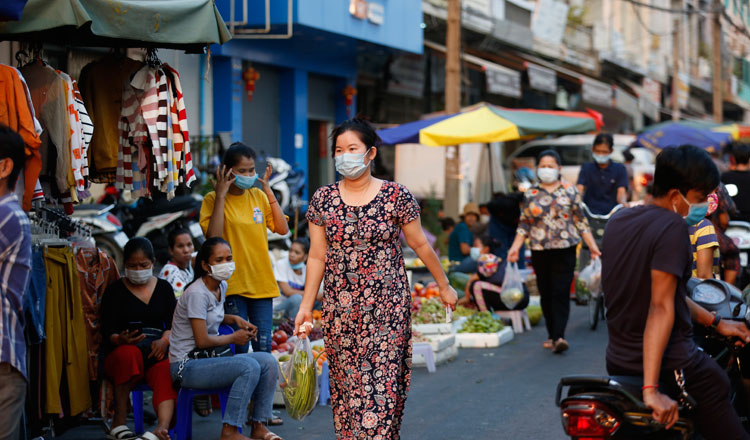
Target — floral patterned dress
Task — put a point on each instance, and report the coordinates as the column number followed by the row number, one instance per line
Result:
column 366, row 310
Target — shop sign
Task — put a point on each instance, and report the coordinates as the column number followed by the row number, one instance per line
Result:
column 376, row 13
column 596, row 92
column 542, row 78
column 626, row 103
column 549, row 21
column 358, row 8
column 652, row 89
column 503, row 81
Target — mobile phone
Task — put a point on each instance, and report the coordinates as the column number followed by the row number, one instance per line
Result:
column 135, row 326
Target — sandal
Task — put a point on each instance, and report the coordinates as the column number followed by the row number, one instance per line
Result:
column 269, row 436
column 548, row 344
column 121, row 432
column 274, row 421
column 560, row 346
column 202, row 405
column 148, row 436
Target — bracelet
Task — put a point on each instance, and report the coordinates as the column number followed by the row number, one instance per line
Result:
column 715, row 322
column 645, row 387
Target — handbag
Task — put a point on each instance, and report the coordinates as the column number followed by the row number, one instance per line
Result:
column 201, row 353
column 152, row 334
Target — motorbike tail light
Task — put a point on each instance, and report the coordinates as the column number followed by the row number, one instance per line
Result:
column 114, row 220
column 588, row 420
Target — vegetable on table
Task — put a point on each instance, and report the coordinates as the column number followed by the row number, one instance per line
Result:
column 482, row 322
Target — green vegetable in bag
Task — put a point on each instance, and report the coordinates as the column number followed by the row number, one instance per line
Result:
column 299, row 381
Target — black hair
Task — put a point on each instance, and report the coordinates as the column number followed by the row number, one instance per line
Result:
column 204, row 254
column 551, row 153
column 741, row 153
column 235, row 152
column 364, row 130
column 446, row 223
column 604, row 138
column 487, row 241
column 12, row 147
column 507, row 208
column 684, row 168
column 628, row 156
column 174, row 233
column 304, row 242
column 136, row 244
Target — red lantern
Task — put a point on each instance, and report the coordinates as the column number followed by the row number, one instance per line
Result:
column 349, row 93
column 250, row 75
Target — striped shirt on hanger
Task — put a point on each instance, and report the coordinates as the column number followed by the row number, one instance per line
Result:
column 15, row 266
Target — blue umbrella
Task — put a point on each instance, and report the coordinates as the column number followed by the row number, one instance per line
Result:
column 674, row 135
column 408, row 133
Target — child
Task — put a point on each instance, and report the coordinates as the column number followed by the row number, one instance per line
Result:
column 290, row 274
column 179, row 271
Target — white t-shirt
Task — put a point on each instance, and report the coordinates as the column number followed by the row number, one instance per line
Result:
column 199, row 303
column 285, row 274
column 178, row 278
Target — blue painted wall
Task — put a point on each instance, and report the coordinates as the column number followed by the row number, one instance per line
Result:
column 400, row 29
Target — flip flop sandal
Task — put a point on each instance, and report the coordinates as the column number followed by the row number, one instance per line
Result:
column 202, row 405
column 269, row 436
column 560, row 346
column 274, row 421
column 548, row 344
column 121, row 432
column 148, row 436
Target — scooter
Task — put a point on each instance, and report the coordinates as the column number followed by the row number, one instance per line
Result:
column 598, row 224
column 106, row 229
column 611, row 407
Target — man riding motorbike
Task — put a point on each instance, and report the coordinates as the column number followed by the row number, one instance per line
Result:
column 646, row 263
column 603, row 183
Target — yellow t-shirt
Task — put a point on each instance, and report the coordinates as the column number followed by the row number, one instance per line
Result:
column 245, row 220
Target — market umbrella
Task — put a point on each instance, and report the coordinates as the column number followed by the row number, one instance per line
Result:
column 485, row 123
column 182, row 24
column 737, row 131
column 676, row 134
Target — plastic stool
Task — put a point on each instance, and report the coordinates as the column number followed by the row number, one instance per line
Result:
column 518, row 318
column 137, row 395
column 426, row 351
column 184, row 427
column 325, row 386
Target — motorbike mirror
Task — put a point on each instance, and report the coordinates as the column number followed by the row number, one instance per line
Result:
column 732, row 189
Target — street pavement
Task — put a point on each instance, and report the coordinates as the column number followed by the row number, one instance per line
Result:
column 502, row 393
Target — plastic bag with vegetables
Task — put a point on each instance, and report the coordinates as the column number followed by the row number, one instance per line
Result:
column 589, row 283
column 299, row 381
column 512, row 291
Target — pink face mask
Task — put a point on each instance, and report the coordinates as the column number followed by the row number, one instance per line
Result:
column 713, row 204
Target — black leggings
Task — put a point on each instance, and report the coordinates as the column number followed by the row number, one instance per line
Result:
column 554, row 270
column 708, row 384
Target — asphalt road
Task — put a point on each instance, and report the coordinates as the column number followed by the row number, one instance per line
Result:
column 502, row 393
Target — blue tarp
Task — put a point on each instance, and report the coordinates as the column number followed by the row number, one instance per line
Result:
column 675, row 135
column 408, row 133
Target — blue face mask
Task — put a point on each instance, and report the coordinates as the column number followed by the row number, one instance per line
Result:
column 245, row 182
column 475, row 253
column 696, row 213
column 298, row 266
column 351, row 165
column 601, row 159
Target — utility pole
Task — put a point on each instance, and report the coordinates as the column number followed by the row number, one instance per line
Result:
column 452, row 105
column 675, row 70
column 717, row 82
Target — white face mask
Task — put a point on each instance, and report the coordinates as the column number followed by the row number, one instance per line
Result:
column 484, row 218
column 547, row 175
column 139, row 277
column 601, row 159
column 222, row 272
column 475, row 253
column 351, row 165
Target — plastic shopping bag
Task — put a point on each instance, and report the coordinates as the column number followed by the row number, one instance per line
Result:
column 589, row 283
column 512, row 291
column 299, row 381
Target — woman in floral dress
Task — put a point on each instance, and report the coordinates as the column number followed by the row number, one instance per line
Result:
column 553, row 222
column 355, row 226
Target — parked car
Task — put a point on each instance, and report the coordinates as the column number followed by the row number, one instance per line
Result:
column 574, row 151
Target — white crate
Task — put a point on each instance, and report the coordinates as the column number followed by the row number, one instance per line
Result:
column 440, row 329
column 441, row 342
column 484, row 340
column 441, row 356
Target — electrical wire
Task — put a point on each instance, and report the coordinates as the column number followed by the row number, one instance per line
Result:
column 637, row 11
column 673, row 11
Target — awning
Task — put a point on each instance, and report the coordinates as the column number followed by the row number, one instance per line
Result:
column 541, row 78
column 180, row 24
column 596, row 92
column 500, row 79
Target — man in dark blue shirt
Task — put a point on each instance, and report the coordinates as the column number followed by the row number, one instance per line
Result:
column 603, row 183
column 646, row 264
